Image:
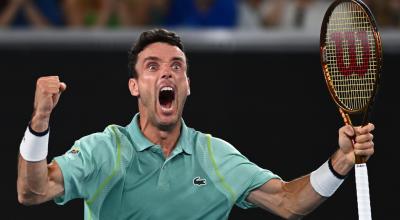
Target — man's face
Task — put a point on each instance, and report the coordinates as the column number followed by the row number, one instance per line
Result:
column 161, row 85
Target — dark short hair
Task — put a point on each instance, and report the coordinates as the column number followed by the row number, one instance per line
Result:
column 149, row 37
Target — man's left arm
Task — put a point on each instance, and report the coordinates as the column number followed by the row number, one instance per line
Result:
column 297, row 198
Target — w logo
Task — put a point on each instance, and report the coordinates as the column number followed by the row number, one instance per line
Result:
column 356, row 53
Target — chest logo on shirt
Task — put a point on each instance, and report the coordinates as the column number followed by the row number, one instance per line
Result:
column 197, row 181
column 73, row 152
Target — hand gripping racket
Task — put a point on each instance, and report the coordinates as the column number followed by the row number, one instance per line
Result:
column 351, row 58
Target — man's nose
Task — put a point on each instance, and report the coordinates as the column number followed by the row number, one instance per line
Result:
column 166, row 72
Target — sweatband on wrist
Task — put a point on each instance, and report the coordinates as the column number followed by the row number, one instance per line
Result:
column 338, row 175
column 324, row 181
column 34, row 145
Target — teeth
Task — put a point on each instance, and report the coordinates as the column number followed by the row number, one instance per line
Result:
column 167, row 88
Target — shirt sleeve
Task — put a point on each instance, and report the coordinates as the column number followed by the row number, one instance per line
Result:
column 240, row 174
column 82, row 165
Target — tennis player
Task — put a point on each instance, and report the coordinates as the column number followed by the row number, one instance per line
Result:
column 158, row 168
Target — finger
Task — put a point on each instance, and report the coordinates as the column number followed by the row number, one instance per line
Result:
column 368, row 128
column 51, row 87
column 49, row 79
column 365, row 129
column 366, row 152
column 62, row 87
column 47, row 89
column 364, row 146
column 53, row 77
column 347, row 130
column 364, row 138
column 54, row 82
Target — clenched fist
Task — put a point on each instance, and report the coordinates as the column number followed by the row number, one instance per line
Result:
column 47, row 94
column 357, row 141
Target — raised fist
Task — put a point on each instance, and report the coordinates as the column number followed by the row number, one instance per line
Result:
column 47, row 94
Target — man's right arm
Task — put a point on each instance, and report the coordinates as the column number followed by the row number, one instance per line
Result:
column 38, row 181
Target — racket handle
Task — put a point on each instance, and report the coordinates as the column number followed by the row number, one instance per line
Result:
column 361, row 159
column 346, row 117
column 362, row 187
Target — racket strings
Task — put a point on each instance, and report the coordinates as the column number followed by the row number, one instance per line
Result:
column 351, row 56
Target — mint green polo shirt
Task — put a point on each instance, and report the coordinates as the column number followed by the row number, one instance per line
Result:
column 120, row 174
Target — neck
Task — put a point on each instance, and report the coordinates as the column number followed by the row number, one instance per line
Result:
column 167, row 139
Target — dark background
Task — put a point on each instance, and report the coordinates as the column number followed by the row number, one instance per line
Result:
column 272, row 106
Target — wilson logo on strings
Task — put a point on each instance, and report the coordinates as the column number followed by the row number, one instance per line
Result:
column 352, row 52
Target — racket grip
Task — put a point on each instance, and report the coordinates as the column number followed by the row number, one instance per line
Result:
column 362, row 188
column 361, row 159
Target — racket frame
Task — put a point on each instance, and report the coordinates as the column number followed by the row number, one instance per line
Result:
column 378, row 48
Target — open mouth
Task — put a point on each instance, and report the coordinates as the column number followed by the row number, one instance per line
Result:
column 166, row 96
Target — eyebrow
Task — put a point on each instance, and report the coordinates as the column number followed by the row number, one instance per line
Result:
column 178, row 59
column 153, row 58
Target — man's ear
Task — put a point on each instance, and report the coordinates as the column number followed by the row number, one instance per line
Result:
column 188, row 82
column 133, row 87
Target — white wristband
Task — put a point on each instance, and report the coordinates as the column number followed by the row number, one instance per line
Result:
column 33, row 148
column 324, row 181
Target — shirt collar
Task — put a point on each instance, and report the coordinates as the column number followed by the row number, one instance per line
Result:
column 184, row 141
column 142, row 143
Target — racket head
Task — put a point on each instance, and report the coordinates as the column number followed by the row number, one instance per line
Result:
column 351, row 54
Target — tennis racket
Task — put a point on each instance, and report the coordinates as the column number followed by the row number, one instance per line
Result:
column 351, row 58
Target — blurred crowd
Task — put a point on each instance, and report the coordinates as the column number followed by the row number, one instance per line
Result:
column 242, row 14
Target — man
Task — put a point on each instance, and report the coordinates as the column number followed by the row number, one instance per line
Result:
column 158, row 168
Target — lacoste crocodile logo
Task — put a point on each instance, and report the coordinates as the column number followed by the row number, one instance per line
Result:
column 197, row 181
column 71, row 154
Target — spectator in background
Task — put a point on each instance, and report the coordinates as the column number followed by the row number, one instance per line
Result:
column 202, row 13
column 114, row 13
column 84, row 13
column 250, row 14
column 288, row 14
column 38, row 13
column 264, row 13
column 159, row 11
column 388, row 13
